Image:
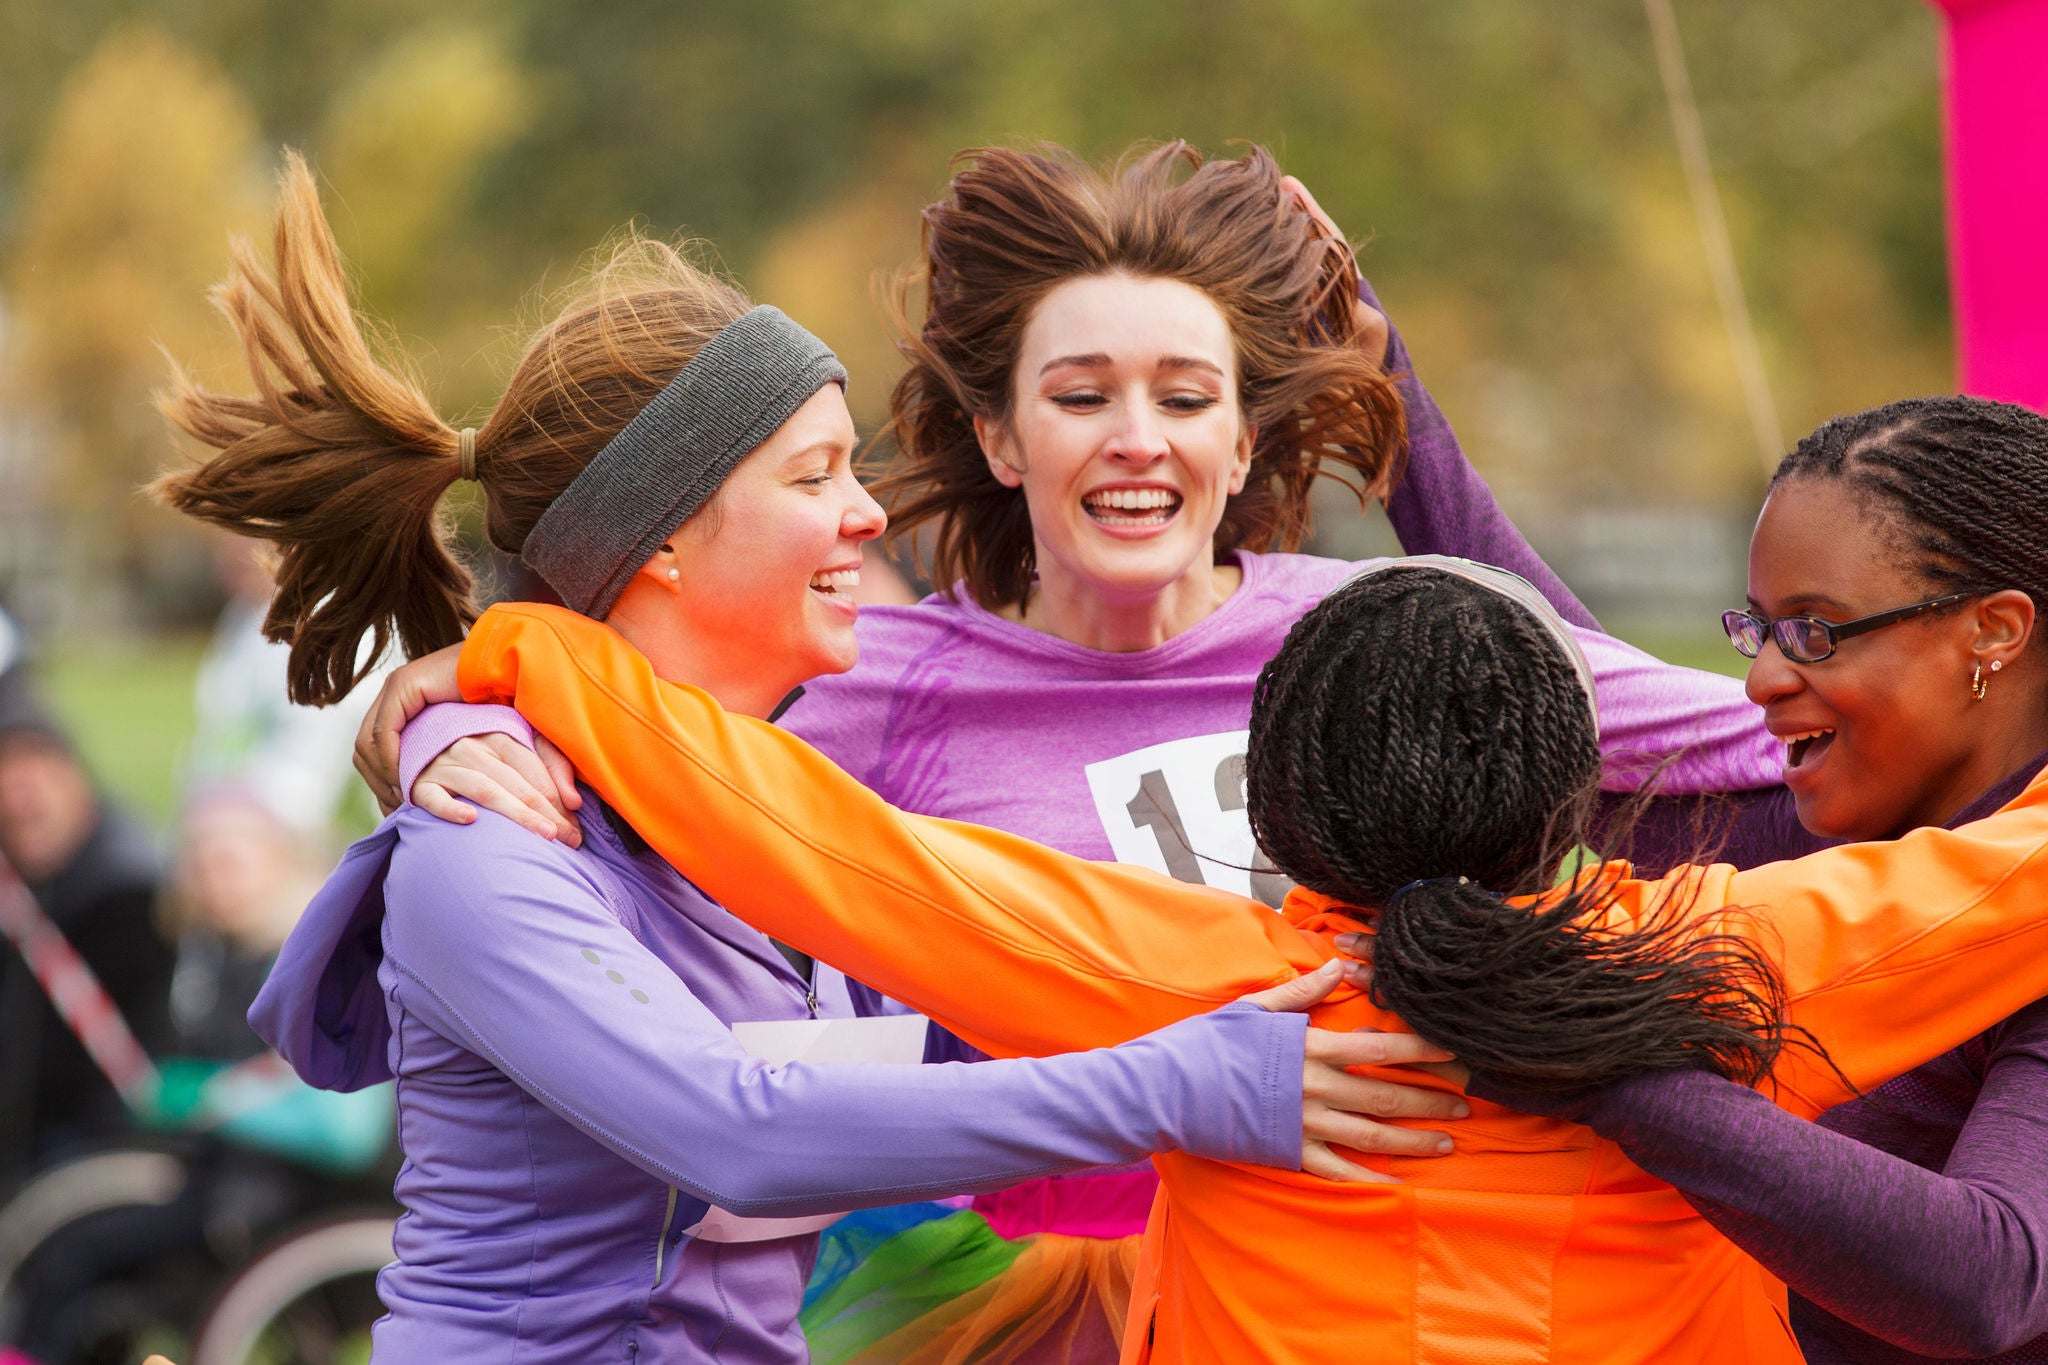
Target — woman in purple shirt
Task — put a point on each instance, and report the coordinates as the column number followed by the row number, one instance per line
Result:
column 595, row 1168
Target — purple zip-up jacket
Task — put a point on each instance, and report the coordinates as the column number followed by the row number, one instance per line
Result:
column 570, row 1099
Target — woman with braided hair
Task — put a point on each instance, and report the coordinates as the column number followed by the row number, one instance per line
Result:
column 1895, row 581
column 1437, row 715
column 1121, row 390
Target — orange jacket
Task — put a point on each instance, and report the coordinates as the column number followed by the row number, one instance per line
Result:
column 1535, row 1241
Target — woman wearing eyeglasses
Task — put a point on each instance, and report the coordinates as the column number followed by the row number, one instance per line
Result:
column 1894, row 582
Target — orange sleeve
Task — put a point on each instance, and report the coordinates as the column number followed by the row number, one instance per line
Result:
column 1892, row 953
column 1895, row 952
column 1018, row 948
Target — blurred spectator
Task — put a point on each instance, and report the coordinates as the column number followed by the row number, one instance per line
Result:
column 291, row 760
column 241, row 878
column 92, row 870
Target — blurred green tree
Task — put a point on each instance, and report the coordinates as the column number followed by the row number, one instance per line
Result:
column 149, row 163
column 1511, row 166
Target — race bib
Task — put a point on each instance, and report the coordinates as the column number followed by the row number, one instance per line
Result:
column 896, row 1039
column 1179, row 808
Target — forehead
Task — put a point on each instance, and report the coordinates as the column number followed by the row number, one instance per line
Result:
column 1822, row 538
column 1127, row 319
column 824, row 419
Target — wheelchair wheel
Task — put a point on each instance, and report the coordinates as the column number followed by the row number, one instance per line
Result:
column 306, row 1299
column 64, row 1195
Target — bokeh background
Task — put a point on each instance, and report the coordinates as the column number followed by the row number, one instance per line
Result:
column 1511, row 169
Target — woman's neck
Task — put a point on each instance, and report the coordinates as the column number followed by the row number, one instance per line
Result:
column 1083, row 613
column 2005, row 751
column 741, row 686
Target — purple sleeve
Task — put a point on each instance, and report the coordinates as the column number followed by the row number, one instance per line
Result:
column 1948, row 1263
column 1746, row 828
column 430, row 732
column 629, row 1056
column 1441, row 505
column 1650, row 710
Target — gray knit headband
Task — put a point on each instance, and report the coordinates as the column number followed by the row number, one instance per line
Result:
column 674, row 454
column 1512, row 586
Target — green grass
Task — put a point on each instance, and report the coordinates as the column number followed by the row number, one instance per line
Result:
column 129, row 706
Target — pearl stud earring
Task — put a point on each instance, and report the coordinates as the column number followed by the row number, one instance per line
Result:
column 674, row 575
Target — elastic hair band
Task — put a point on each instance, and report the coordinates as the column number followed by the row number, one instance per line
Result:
column 1512, row 586
column 1419, row 882
column 673, row 455
column 465, row 452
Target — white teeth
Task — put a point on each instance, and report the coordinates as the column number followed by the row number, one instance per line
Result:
column 1132, row 499
column 839, row 580
column 1789, row 740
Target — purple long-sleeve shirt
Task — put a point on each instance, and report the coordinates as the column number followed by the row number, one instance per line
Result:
column 1442, row 506
column 571, row 1100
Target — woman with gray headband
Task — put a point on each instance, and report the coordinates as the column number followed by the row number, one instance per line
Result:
column 596, row 1168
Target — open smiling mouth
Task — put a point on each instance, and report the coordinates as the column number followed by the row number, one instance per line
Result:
column 1132, row 507
column 1801, row 750
column 835, row 582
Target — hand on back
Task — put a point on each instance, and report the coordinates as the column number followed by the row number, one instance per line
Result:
column 1339, row 1109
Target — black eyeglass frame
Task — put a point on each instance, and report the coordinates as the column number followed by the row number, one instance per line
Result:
column 1832, row 631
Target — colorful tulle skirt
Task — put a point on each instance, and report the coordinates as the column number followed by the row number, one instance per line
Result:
column 1036, row 1275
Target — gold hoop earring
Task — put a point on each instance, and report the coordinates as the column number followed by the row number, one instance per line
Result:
column 1978, row 687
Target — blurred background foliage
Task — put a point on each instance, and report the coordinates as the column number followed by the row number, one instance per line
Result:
column 1511, row 168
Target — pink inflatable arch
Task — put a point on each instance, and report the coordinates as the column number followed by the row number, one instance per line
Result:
column 1995, row 76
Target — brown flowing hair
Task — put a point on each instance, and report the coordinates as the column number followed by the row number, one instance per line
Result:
column 1016, row 224
column 341, row 461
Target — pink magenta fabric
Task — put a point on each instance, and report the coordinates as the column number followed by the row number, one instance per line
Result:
column 1996, row 113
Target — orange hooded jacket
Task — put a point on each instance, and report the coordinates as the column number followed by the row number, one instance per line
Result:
column 1535, row 1241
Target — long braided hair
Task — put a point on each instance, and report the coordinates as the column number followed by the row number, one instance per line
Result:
column 1422, row 747
column 1964, row 482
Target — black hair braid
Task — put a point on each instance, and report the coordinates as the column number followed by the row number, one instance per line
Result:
column 1964, row 479
column 1417, row 729
column 1408, row 728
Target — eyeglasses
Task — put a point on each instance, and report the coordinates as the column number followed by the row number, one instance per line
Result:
column 1808, row 639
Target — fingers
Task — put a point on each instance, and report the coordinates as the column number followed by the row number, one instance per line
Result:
column 1374, row 331
column 561, row 770
column 437, row 801
column 1354, row 945
column 1318, row 1159
column 1370, row 1047
column 378, row 774
column 1308, row 203
column 1366, row 1135
column 1291, row 997
column 471, row 771
column 535, row 784
column 410, row 689
column 1374, row 1098
column 385, row 796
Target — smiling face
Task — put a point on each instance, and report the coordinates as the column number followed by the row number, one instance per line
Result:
column 1126, row 436
column 760, row 601
column 1884, row 735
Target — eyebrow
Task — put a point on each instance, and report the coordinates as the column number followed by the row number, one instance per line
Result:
column 1806, row 603
column 1095, row 360
column 827, row 448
